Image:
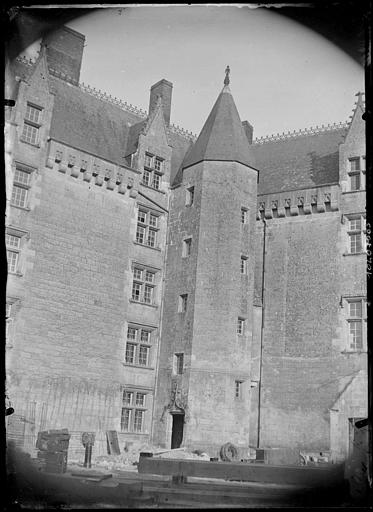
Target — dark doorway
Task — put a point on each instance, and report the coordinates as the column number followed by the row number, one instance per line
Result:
column 177, row 430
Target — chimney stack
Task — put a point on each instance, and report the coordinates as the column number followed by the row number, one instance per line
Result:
column 163, row 88
column 64, row 49
column 249, row 131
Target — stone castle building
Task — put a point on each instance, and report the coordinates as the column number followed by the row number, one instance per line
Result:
column 173, row 289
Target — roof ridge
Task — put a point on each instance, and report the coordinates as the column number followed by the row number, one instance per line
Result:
column 313, row 130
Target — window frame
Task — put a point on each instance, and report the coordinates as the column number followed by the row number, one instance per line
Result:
column 178, row 363
column 240, row 328
column 354, row 319
column 147, row 232
column 357, row 173
column 32, row 126
column 183, row 303
column 356, row 233
column 243, row 265
column 139, row 343
column 244, row 215
column 153, row 171
column 187, row 247
column 238, row 391
column 133, row 411
column 21, row 185
column 13, row 252
column 189, row 195
column 142, row 285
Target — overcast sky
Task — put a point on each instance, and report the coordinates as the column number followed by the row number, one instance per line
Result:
column 283, row 75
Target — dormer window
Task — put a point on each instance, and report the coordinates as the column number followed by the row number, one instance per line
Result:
column 153, row 170
column 32, row 123
column 356, row 173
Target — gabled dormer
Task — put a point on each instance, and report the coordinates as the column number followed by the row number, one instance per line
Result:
column 352, row 152
column 149, row 149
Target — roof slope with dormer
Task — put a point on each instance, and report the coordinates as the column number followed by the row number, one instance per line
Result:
column 222, row 137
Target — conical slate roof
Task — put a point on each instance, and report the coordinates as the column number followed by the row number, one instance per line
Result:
column 222, row 138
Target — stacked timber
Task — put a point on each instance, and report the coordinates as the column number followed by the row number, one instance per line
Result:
column 53, row 446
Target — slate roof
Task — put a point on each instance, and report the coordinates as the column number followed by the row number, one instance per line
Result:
column 88, row 123
column 298, row 162
column 222, row 136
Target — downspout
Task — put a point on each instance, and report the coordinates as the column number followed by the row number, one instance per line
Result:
column 261, row 332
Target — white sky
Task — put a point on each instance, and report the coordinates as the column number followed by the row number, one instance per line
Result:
column 283, row 76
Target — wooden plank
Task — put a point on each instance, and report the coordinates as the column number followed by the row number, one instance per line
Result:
column 112, row 442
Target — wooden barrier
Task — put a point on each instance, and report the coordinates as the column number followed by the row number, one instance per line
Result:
column 305, row 476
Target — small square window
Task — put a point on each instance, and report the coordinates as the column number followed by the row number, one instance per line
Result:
column 140, row 399
column 22, row 177
column 189, row 196
column 33, row 114
column 141, row 217
column 137, row 273
column 149, row 276
column 12, row 241
column 145, row 336
column 131, row 334
column 187, row 246
column 127, row 397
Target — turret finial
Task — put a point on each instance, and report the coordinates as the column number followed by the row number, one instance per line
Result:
column 226, row 79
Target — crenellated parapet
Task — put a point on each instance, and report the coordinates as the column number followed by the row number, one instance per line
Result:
column 315, row 130
column 91, row 169
column 101, row 95
column 184, row 133
column 298, row 202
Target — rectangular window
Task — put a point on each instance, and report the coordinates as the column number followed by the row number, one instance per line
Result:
column 143, row 285
column 189, row 199
column 19, row 196
column 22, row 177
column 152, row 176
column 356, row 173
column 183, row 303
column 156, row 181
column 146, row 177
column 30, row 133
column 133, row 411
column 13, row 244
column 12, row 258
column 138, row 421
column 158, row 164
column 243, row 265
column 357, row 234
column 125, row 420
column 356, row 320
column 244, row 215
column 148, row 160
column 147, row 228
column 240, row 325
column 138, row 346
column 130, row 353
column 238, row 389
column 143, row 355
column 187, row 245
column 33, row 114
column 179, row 364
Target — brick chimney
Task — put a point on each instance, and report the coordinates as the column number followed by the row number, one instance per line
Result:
column 64, row 48
column 249, row 131
column 162, row 88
